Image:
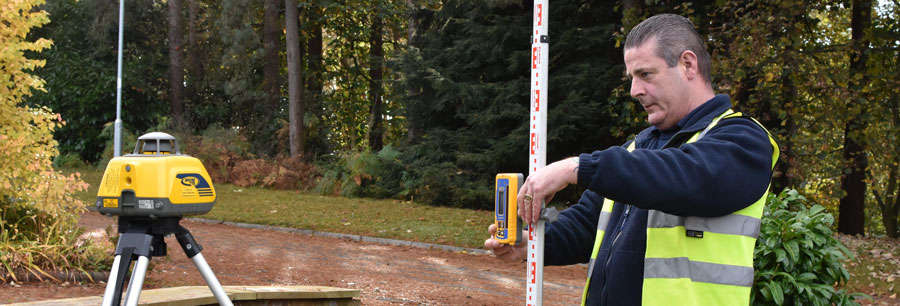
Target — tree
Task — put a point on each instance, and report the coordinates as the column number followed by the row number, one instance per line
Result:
column 852, row 208
column 468, row 75
column 884, row 170
column 37, row 206
column 376, row 58
column 271, row 60
column 295, row 77
column 314, row 80
column 240, row 60
column 80, row 73
column 176, row 64
column 194, row 58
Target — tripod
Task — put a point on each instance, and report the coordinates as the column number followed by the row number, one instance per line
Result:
column 142, row 238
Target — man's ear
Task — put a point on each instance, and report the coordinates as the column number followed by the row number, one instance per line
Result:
column 688, row 61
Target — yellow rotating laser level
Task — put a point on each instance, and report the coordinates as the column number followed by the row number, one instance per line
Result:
column 506, row 189
column 156, row 180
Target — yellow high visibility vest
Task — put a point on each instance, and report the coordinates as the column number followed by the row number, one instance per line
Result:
column 695, row 260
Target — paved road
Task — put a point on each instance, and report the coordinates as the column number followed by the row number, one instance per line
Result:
column 385, row 274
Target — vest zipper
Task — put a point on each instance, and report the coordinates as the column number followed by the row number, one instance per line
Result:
column 613, row 245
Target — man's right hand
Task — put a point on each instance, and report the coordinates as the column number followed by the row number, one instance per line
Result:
column 504, row 251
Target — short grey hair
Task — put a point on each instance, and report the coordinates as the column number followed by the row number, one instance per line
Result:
column 674, row 34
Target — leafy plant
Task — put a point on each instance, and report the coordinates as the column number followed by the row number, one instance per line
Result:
column 378, row 175
column 38, row 211
column 797, row 259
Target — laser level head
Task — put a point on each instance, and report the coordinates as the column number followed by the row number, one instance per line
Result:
column 156, row 180
column 506, row 189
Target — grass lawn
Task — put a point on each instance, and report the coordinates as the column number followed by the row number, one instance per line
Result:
column 370, row 217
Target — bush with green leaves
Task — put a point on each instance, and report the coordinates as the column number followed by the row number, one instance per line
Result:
column 797, row 259
column 366, row 174
column 38, row 209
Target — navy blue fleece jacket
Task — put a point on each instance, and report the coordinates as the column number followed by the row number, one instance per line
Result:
column 726, row 170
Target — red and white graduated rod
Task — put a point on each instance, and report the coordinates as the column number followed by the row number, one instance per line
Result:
column 540, row 47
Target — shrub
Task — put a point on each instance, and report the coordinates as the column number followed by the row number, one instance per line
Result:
column 38, row 211
column 797, row 259
column 376, row 175
column 219, row 149
column 69, row 160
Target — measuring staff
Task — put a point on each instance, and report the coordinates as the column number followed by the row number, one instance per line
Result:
column 672, row 216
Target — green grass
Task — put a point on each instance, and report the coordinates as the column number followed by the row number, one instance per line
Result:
column 391, row 219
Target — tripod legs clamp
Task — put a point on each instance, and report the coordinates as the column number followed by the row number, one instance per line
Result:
column 141, row 239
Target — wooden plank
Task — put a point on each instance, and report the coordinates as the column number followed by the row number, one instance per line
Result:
column 201, row 295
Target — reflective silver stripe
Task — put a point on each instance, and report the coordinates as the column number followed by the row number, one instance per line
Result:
column 603, row 221
column 697, row 271
column 591, row 268
column 732, row 224
column 658, row 219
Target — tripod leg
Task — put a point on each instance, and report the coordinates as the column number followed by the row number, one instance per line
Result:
column 192, row 249
column 130, row 244
column 111, row 283
column 137, row 281
column 211, row 280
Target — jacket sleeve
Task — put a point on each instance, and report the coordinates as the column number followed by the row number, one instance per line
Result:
column 723, row 172
column 570, row 239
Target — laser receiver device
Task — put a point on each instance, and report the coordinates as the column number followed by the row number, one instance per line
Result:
column 155, row 181
column 506, row 189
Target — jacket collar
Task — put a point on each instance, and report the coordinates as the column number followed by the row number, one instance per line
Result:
column 698, row 119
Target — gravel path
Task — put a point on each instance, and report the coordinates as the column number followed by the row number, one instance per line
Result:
column 386, row 274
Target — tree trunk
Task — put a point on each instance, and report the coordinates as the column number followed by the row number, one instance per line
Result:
column 413, row 123
column 890, row 212
column 315, row 68
column 791, row 96
column 176, row 64
column 890, row 203
column 851, row 213
column 271, row 62
column 194, row 59
column 852, row 216
column 890, row 206
column 295, row 77
column 376, row 57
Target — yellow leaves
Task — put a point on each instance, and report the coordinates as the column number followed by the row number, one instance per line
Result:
column 27, row 146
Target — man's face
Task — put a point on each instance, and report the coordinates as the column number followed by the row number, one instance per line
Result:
column 661, row 90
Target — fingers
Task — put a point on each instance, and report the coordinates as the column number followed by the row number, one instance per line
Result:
column 520, row 201
column 502, row 251
column 532, row 204
column 540, row 187
column 528, row 210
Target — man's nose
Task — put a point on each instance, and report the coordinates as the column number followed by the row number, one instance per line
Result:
column 637, row 90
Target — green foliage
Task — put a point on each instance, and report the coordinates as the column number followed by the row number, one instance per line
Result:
column 68, row 160
column 107, row 135
column 347, row 66
column 797, row 259
column 81, row 70
column 37, row 207
column 467, row 79
column 377, row 175
column 38, row 242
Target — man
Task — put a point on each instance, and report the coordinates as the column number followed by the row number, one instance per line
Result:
column 671, row 217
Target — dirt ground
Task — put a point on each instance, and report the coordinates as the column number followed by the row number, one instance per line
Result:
column 386, row 275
